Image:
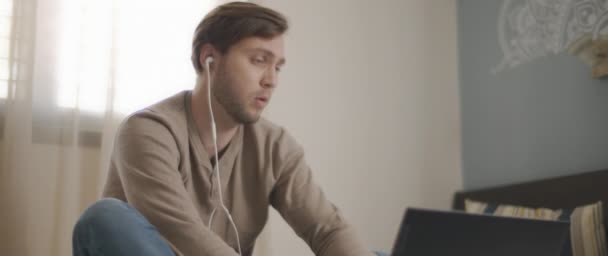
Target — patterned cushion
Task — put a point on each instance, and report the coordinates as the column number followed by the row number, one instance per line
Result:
column 587, row 234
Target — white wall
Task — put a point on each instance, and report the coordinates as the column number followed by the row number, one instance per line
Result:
column 370, row 90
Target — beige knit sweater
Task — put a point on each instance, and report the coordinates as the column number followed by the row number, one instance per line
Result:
column 160, row 167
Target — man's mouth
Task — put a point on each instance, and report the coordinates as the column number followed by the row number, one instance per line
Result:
column 261, row 101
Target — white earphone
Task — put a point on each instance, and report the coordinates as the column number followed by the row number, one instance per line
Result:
column 216, row 170
column 208, row 60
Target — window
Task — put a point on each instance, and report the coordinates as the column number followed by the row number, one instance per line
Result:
column 95, row 56
column 138, row 49
column 6, row 13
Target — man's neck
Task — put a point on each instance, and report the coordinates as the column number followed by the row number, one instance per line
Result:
column 226, row 126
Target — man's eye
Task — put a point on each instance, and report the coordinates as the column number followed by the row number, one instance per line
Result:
column 258, row 60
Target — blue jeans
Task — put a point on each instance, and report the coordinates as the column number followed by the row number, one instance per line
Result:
column 113, row 227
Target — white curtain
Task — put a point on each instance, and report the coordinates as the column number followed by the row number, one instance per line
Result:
column 71, row 70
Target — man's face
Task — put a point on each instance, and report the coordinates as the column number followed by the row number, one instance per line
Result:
column 246, row 76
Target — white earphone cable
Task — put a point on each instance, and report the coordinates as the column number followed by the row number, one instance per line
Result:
column 216, row 168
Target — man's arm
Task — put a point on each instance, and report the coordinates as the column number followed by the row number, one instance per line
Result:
column 303, row 205
column 146, row 159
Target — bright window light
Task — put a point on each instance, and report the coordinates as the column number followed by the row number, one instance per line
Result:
column 150, row 61
column 6, row 12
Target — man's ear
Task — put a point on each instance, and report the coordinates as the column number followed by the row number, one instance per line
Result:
column 206, row 51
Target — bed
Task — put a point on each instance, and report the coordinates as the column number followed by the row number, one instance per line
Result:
column 560, row 192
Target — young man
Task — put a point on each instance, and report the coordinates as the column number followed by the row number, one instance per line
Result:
column 163, row 195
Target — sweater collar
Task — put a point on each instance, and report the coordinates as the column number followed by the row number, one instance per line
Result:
column 232, row 149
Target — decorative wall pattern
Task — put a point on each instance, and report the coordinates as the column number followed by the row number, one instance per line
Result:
column 530, row 29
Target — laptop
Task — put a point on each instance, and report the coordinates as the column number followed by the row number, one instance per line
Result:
column 433, row 233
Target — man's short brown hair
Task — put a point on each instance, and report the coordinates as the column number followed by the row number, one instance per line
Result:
column 227, row 24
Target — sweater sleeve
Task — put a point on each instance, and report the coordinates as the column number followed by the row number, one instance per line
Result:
column 302, row 203
column 146, row 159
